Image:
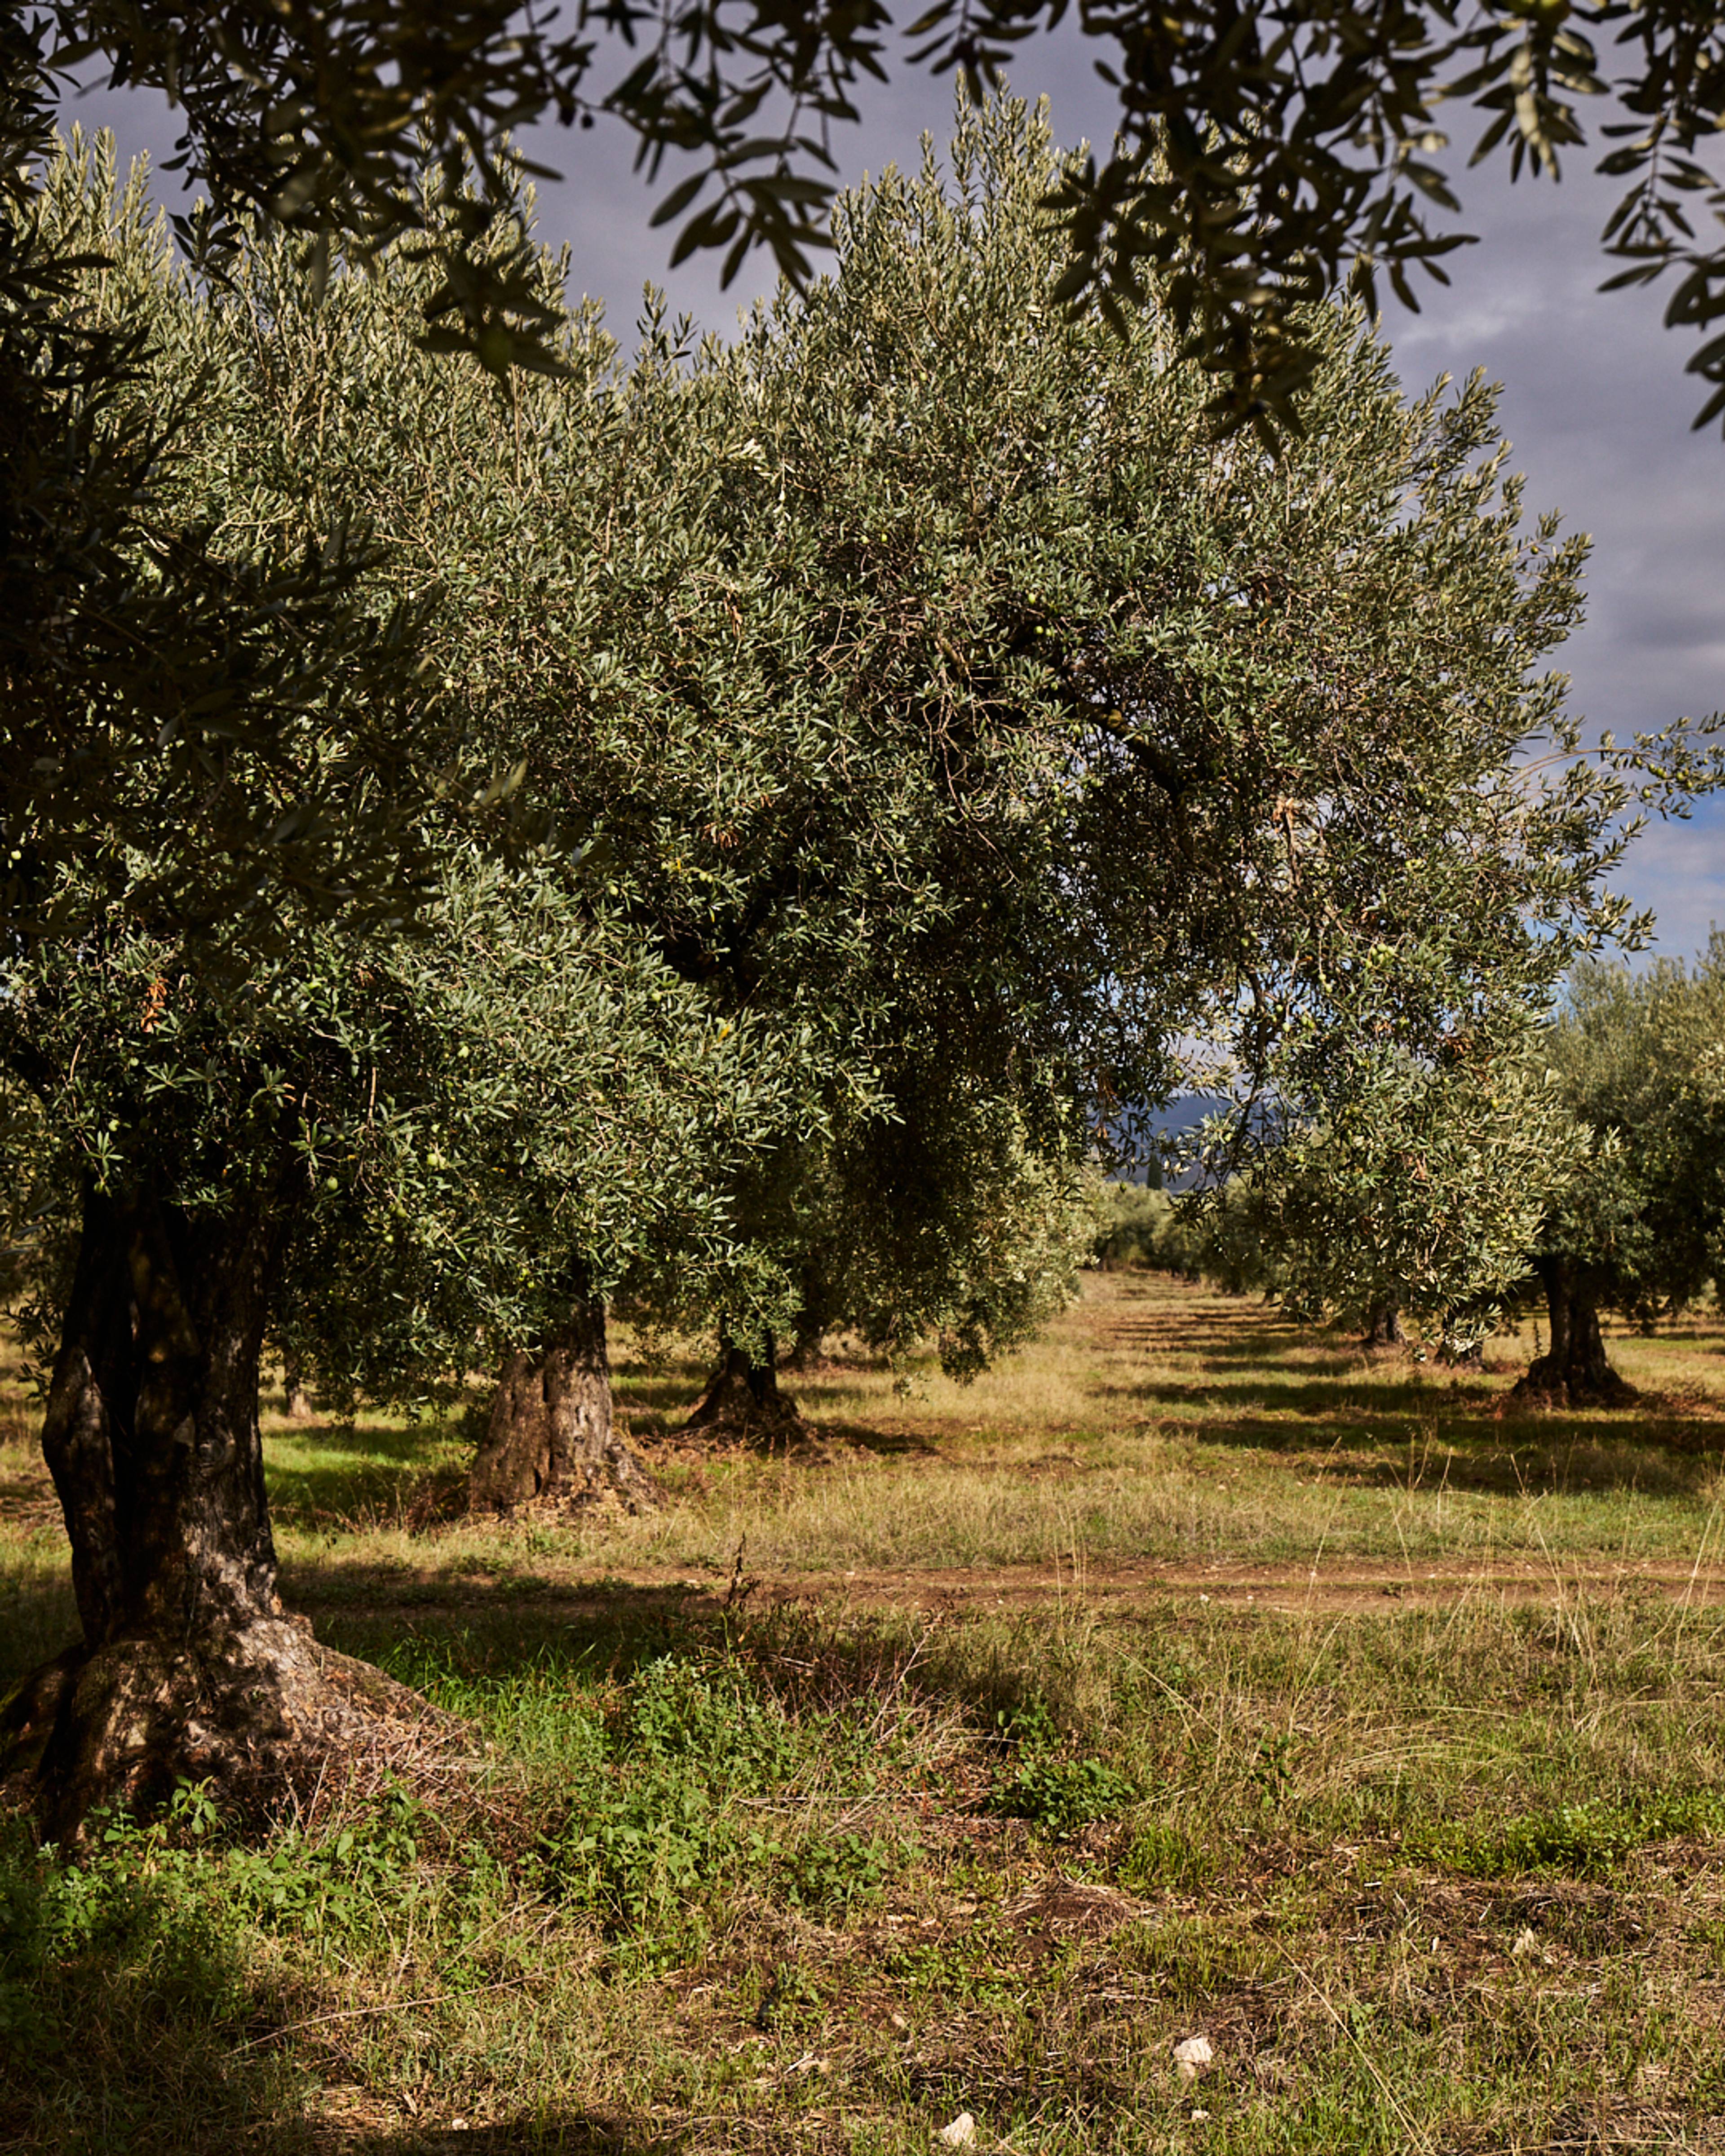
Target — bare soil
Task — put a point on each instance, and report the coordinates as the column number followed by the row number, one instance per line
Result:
column 1352, row 1587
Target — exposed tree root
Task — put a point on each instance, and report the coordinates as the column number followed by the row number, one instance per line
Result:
column 744, row 1406
column 1548, row 1385
column 262, row 1714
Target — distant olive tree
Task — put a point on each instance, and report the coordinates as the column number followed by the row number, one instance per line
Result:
column 1638, row 1062
column 1407, row 1191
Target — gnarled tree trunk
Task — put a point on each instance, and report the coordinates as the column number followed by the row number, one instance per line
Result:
column 552, row 1431
column 189, row 1668
column 297, row 1401
column 1383, row 1324
column 1574, row 1368
column 818, row 1310
column 742, row 1401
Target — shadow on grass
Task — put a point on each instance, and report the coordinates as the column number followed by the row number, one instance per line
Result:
column 575, row 2131
column 38, row 1617
column 1531, row 1456
column 1581, row 1466
column 1404, row 1404
column 668, row 1396
column 430, row 1629
column 160, row 2047
column 361, row 1474
column 128, row 2019
column 419, row 1629
column 889, row 1444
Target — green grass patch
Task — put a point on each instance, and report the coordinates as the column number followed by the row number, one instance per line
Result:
column 1588, row 1839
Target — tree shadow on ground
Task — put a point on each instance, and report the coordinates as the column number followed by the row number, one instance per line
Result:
column 1479, row 1454
column 575, row 2132
column 1312, row 1398
column 889, row 1444
column 668, row 1396
column 183, row 2064
column 38, row 1617
column 608, row 1624
column 381, row 1615
column 1583, row 1467
column 1268, row 1338
column 366, row 1474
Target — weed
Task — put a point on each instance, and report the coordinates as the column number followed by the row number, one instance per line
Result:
column 1166, row 1856
column 840, row 1871
column 1588, row 1839
column 1059, row 1795
column 789, row 1998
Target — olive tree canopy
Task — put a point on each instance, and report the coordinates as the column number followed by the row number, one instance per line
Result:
column 1638, row 1061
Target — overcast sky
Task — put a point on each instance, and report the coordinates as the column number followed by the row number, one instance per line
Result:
column 1596, row 400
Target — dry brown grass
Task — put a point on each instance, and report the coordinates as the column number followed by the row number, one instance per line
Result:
column 1190, row 1674
column 1155, row 1425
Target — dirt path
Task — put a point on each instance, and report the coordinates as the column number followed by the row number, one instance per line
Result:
column 1348, row 1587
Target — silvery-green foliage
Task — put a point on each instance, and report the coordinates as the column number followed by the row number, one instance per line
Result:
column 459, row 1110
column 923, row 733
column 1235, row 744
column 1638, row 1062
column 1423, row 1189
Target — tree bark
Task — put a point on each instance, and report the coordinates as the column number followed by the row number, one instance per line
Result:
column 1574, row 1369
column 1383, row 1324
column 552, row 1431
column 806, row 1345
column 297, row 1401
column 818, row 1310
column 189, row 1669
column 742, row 1400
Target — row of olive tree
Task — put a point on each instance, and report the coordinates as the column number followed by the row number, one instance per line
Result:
column 1589, row 1178
column 846, row 765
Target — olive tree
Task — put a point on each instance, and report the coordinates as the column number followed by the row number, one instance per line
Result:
column 1636, row 1062
column 1198, row 745
column 930, row 730
column 1412, row 1191
column 444, row 1126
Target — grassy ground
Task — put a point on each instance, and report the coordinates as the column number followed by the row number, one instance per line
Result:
column 1191, row 1676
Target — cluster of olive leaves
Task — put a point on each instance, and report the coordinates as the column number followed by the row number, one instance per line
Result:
column 1269, row 152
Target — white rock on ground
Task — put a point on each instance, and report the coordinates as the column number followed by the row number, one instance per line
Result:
column 1192, row 2055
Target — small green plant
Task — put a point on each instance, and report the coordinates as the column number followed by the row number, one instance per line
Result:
column 1272, row 1771
column 1052, row 1789
column 1062, row 1795
column 789, row 1996
column 636, row 1848
column 1586, row 1841
column 835, row 1872
column 329, row 1885
column 655, row 1825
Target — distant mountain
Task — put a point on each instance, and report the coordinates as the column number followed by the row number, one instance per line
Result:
column 1164, row 1128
